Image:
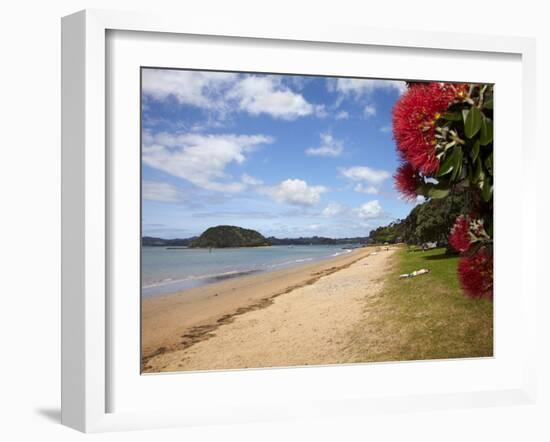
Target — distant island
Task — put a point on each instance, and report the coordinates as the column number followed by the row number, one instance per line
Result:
column 151, row 241
column 229, row 236
column 238, row 237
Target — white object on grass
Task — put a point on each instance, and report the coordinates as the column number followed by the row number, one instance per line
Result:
column 415, row 273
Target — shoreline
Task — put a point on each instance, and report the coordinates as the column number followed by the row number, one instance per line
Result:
column 174, row 286
column 174, row 324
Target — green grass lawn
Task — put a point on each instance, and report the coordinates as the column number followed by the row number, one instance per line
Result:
column 426, row 317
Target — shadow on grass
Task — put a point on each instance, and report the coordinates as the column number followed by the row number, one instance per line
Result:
column 440, row 256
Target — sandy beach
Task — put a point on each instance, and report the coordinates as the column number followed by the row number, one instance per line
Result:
column 303, row 315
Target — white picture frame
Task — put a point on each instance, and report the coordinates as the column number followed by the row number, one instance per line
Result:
column 86, row 203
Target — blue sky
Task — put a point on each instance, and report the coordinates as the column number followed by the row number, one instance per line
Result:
column 288, row 156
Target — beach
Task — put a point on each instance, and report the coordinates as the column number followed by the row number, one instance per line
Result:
column 302, row 315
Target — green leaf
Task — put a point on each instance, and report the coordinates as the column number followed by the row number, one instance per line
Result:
column 474, row 152
column 489, row 163
column 486, row 190
column 457, row 162
column 423, row 189
column 449, row 162
column 478, row 172
column 452, row 116
column 488, row 104
column 438, row 192
column 472, row 124
column 464, row 115
column 486, row 132
column 447, row 166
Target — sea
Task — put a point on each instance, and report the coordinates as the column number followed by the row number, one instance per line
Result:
column 167, row 270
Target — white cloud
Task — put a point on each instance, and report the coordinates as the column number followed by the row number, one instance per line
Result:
column 330, row 147
column 361, row 188
column 357, row 87
column 296, row 192
column 200, row 89
column 200, row 159
column 158, row 191
column 297, row 81
column 342, row 115
column 268, row 95
column 364, row 173
column 369, row 210
column 224, row 92
column 250, row 180
column 334, row 209
column 369, row 111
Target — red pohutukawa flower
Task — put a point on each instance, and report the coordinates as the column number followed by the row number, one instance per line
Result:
column 414, row 118
column 460, row 238
column 476, row 274
column 407, row 181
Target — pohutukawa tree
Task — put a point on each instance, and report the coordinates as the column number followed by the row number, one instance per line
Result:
column 444, row 136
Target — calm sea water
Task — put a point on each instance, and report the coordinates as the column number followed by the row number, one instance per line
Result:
column 168, row 270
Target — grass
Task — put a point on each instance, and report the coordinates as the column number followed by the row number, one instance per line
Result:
column 426, row 317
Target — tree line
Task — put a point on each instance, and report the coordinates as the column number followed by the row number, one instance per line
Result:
column 430, row 221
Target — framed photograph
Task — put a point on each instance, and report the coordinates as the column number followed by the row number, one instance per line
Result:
column 265, row 223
